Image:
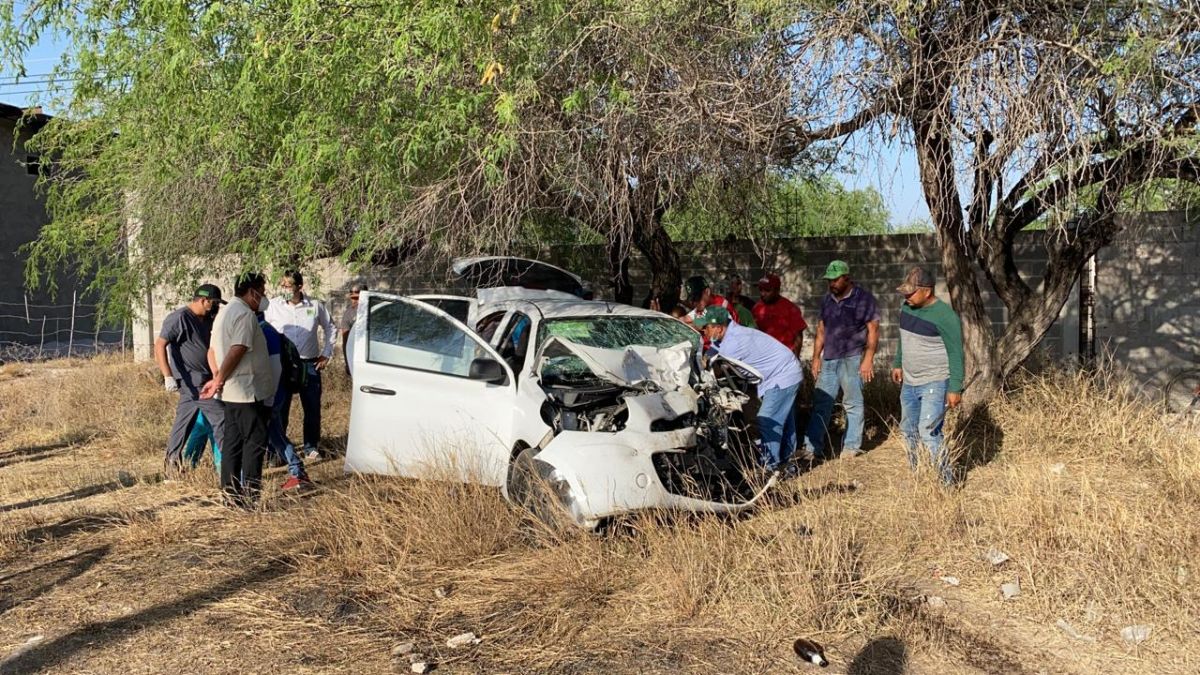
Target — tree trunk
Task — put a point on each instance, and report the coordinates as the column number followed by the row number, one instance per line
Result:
column 618, row 269
column 653, row 241
column 935, row 158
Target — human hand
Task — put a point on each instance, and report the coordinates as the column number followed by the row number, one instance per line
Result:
column 322, row 362
column 655, row 304
column 897, row 376
column 816, row 368
column 953, row 399
column 211, row 389
column 866, row 370
column 170, row 384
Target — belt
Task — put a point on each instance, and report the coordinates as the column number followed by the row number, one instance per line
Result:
column 312, row 360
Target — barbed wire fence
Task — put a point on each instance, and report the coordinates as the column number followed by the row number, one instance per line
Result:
column 32, row 331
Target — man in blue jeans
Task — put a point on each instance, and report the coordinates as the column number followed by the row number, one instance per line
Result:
column 843, row 358
column 929, row 368
column 781, row 377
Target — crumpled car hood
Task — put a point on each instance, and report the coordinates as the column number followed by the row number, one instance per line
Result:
column 669, row 368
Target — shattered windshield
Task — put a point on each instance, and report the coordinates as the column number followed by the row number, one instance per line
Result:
column 619, row 332
column 610, row 332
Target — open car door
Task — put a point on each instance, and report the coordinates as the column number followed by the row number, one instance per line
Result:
column 430, row 398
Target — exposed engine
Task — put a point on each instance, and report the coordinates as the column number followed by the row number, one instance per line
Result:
column 718, row 405
column 600, row 407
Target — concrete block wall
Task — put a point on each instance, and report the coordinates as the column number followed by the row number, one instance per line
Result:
column 1147, row 295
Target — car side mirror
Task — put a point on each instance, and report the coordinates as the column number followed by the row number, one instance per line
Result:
column 487, row 370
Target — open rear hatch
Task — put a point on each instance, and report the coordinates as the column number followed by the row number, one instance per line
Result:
column 497, row 271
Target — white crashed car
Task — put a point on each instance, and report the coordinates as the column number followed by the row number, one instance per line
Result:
column 582, row 407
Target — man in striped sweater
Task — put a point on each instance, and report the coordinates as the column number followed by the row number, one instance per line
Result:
column 929, row 368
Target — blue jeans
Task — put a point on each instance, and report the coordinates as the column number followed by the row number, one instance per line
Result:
column 837, row 374
column 310, row 401
column 777, row 425
column 201, row 435
column 922, row 412
column 277, row 441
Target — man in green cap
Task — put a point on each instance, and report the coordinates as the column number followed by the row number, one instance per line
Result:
column 781, row 377
column 843, row 358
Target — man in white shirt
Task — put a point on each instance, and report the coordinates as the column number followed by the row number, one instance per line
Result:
column 299, row 317
column 245, row 384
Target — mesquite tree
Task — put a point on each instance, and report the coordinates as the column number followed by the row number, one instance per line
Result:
column 1050, row 113
column 284, row 131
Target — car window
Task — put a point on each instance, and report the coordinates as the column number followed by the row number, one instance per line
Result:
column 619, row 332
column 404, row 335
column 455, row 307
column 515, row 345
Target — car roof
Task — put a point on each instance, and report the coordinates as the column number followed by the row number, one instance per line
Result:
column 562, row 308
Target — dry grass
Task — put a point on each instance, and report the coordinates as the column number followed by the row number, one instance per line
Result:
column 1091, row 495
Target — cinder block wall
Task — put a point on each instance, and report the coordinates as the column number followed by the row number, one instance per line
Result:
column 1147, row 296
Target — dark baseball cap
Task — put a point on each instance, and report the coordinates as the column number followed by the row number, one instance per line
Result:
column 695, row 287
column 918, row 277
column 210, row 292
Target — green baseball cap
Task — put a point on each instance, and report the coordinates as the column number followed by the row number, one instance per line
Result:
column 712, row 315
column 209, row 292
column 837, row 268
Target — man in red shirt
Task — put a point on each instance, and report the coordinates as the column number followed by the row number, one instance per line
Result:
column 777, row 316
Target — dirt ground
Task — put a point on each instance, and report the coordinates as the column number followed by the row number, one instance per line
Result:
column 107, row 568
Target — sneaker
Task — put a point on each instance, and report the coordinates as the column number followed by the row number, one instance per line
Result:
column 312, row 455
column 296, row 483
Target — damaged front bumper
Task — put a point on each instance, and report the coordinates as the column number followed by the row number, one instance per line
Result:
column 596, row 476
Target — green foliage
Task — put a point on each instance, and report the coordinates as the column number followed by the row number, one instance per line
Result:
column 276, row 132
column 785, row 208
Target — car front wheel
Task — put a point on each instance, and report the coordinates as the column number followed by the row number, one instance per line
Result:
column 536, row 488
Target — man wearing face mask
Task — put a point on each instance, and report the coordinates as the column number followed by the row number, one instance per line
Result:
column 181, row 352
column 246, row 385
column 301, row 318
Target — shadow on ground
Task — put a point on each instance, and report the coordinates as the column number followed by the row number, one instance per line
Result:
column 100, row 634
column 21, row 587
column 95, row 523
column 977, row 440
column 78, row 493
column 881, row 656
column 32, row 453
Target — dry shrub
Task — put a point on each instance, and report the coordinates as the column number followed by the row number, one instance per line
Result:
column 75, row 401
column 548, row 599
column 1096, row 499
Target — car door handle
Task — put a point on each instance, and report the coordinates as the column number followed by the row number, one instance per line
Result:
column 367, row 389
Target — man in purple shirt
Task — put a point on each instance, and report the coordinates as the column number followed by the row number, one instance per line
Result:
column 843, row 358
column 781, row 377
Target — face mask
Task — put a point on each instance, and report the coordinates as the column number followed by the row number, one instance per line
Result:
column 263, row 303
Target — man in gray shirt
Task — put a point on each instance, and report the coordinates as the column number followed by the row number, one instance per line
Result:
column 181, row 352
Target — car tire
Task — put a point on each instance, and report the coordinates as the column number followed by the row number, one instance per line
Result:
column 529, row 491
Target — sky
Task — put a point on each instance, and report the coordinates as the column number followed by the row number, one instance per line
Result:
column 889, row 168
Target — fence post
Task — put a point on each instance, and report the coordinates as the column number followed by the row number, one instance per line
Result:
column 71, row 334
column 124, row 325
column 26, row 307
column 42, row 344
